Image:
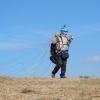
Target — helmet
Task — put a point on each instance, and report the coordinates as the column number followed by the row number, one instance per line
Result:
column 64, row 29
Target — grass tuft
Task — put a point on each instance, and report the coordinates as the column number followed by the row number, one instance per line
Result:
column 27, row 91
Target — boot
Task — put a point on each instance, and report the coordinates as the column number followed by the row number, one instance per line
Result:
column 53, row 75
column 62, row 76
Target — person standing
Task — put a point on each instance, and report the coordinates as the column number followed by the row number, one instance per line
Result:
column 61, row 52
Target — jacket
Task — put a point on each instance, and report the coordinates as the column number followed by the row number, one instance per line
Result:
column 62, row 42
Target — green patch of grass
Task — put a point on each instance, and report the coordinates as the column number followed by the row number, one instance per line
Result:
column 82, row 94
column 89, row 99
column 58, row 99
column 28, row 91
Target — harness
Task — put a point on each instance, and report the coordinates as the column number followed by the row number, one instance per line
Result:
column 63, row 44
column 58, row 52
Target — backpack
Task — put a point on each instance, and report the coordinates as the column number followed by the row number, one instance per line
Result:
column 53, row 53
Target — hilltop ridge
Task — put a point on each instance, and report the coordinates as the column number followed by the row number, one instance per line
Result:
column 49, row 89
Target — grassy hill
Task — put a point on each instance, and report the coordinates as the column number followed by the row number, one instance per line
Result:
column 49, row 89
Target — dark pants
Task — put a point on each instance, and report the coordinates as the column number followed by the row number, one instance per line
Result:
column 61, row 63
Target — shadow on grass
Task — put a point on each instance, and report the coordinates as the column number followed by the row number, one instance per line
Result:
column 28, row 91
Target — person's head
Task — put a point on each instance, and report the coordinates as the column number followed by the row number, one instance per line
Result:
column 64, row 30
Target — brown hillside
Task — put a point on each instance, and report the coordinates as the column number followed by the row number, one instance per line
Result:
column 49, row 89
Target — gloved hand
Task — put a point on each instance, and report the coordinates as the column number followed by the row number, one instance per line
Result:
column 71, row 37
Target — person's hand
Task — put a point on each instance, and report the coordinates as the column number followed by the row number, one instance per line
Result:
column 71, row 37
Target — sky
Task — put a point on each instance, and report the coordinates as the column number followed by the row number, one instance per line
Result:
column 28, row 26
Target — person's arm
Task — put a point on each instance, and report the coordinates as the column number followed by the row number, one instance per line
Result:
column 70, row 40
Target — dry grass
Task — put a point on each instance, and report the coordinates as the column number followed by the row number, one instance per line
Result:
column 49, row 89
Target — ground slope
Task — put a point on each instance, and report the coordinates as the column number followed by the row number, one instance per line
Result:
column 49, row 89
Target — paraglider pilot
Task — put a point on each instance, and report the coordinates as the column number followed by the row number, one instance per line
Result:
column 59, row 51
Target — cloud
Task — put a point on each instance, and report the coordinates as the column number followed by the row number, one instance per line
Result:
column 6, row 45
column 95, row 29
column 95, row 58
column 12, row 46
column 92, row 28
